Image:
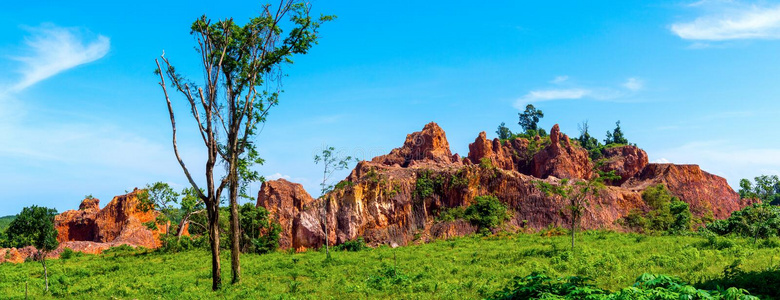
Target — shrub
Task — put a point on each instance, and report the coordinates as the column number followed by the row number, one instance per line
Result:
column 259, row 234
column 756, row 221
column 352, row 246
column 487, row 212
column 647, row 286
column 667, row 213
column 451, row 214
column 67, row 253
column 427, row 184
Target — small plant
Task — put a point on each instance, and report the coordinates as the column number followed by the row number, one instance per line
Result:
column 352, row 246
column 451, row 214
column 67, row 253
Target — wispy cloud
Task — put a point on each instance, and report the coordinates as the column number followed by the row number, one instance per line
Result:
column 53, row 49
column 634, row 84
column 276, row 176
column 731, row 21
column 628, row 88
column 559, row 79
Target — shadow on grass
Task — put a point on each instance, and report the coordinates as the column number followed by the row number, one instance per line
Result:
column 765, row 284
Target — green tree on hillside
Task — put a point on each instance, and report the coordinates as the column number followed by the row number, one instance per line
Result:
column 331, row 163
column 586, row 141
column 34, row 226
column 766, row 189
column 576, row 193
column 529, row 121
column 616, row 136
column 242, row 69
column 503, row 132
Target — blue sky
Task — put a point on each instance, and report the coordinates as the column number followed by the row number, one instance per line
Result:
column 691, row 81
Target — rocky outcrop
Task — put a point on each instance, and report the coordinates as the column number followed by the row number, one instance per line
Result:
column 121, row 222
column 380, row 200
column 704, row 192
column 428, row 145
column 626, row 161
column 92, row 230
column 561, row 159
column 285, row 201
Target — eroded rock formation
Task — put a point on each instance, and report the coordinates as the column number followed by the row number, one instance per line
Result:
column 379, row 201
column 92, row 230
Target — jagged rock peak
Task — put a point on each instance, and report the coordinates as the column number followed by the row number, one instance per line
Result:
column 429, row 145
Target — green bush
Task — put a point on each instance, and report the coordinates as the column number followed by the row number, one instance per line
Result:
column 353, row 246
column 451, row 214
column 647, row 286
column 487, row 213
column 666, row 213
column 756, row 221
column 67, row 253
column 259, row 234
column 427, row 184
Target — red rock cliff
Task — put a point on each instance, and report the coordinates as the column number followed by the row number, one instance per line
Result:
column 380, row 203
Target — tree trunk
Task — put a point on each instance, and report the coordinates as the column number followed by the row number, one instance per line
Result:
column 45, row 270
column 327, row 236
column 573, row 231
column 235, row 232
column 184, row 221
column 216, row 270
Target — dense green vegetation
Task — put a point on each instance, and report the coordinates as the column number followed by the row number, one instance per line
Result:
column 666, row 213
column 765, row 188
column 756, row 221
column 5, row 221
column 468, row 267
column 487, row 212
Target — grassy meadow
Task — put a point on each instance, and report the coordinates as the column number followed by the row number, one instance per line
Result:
column 463, row 268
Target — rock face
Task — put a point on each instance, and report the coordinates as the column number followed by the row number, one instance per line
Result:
column 560, row 159
column 286, row 201
column 379, row 200
column 120, row 222
column 704, row 192
column 626, row 161
column 430, row 144
column 92, row 230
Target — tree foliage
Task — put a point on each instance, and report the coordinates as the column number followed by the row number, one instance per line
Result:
column 756, row 221
column 503, row 132
column 242, row 66
column 34, row 226
column 765, row 188
column 259, row 234
column 666, row 212
column 586, row 140
column 529, row 121
column 616, row 136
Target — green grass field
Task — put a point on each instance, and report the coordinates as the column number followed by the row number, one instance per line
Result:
column 463, row 268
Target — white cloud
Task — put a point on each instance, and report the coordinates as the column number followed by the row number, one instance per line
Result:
column 596, row 93
column 559, row 79
column 53, row 49
column 661, row 161
column 732, row 23
column 276, row 176
column 634, row 84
